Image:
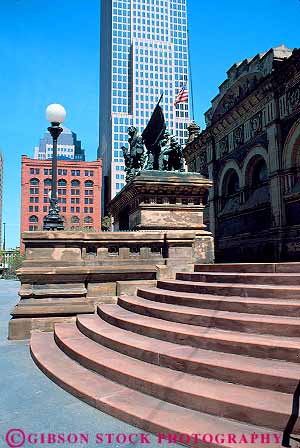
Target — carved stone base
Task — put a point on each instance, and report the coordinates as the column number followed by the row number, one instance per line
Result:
column 161, row 200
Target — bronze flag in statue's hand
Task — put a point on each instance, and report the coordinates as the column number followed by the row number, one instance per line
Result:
column 155, row 128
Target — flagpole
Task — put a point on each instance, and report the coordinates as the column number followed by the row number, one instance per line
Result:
column 191, row 76
column 161, row 97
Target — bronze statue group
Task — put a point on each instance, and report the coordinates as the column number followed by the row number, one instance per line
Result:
column 165, row 154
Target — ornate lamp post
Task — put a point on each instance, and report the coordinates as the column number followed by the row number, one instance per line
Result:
column 56, row 114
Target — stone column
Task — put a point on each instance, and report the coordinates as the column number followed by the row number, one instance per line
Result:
column 276, row 181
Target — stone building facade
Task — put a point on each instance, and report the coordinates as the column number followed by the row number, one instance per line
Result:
column 251, row 150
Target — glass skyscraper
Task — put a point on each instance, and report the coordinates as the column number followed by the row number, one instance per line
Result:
column 144, row 53
column 68, row 147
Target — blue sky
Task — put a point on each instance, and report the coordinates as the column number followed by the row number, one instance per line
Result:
column 49, row 52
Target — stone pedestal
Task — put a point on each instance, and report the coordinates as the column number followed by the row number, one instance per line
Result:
column 161, row 200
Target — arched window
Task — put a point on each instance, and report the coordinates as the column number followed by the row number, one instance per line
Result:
column 34, row 182
column 74, row 220
column 47, row 182
column 259, row 173
column 89, row 183
column 231, row 183
column 62, row 183
column 75, row 183
column 88, row 219
column 33, row 218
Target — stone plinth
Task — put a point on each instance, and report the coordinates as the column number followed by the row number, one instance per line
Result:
column 68, row 273
column 161, row 200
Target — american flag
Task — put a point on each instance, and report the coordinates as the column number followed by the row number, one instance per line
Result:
column 182, row 96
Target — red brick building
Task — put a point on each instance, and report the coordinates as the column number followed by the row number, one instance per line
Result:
column 78, row 192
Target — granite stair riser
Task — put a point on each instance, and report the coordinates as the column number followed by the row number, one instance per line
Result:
column 221, row 303
column 231, row 290
column 224, row 323
column 207, row 368
column 251, row 279
column 131, row 406
column 216, row 350
column 196, row 400
column 204, row 341
column 250, row 268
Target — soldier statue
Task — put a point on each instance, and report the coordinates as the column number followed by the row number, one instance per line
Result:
column 136, row 156
column 171, row 156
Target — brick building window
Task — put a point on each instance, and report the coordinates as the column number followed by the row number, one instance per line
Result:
column 75, row 192
column 62, row 183
column 89, row 183
column 89, row 173
column 91, row 210
column 88, row 219
column 75, row 183
column 62, row 172
column 33, row 218
column 47, row 182
column 75, row 172
column 74, row 220
column 45, row 208
column 88, row 192
column 62, row 191
column 33, row 228
column 34, row 181
column 34, row 171
column 34, row 190
column 75, row 200
column 88, row 200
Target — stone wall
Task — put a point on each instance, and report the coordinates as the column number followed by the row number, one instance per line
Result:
column 66, row 273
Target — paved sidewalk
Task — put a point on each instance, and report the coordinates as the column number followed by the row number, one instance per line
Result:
column 31, row 402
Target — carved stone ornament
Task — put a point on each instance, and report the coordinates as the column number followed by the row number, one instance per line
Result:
column 202, row 159
column 293, row 98
column 256, row 124
column 238, row 136
column 223, row 146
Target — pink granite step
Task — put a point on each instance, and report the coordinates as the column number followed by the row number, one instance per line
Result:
column 256, row 305
column 249, row 267
column 249, row 323
column 290, row 279
column 136, row 408
column 232, row 289
column 257, row 345
column 234, row 401
column 260, row 373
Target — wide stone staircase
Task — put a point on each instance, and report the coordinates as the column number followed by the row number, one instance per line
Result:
column 216, row 351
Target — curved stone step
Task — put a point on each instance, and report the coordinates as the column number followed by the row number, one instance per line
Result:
column 229, row 289
column 249, row 267
column 243, row 403
column 248, row 323
column 264, row 346
column 242, row 278
column 255, row 305
column 260, row 373
column 136, row 408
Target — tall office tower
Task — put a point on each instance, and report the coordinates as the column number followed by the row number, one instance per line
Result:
column 144, row 53
column 68, row 147
column 1, row 197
